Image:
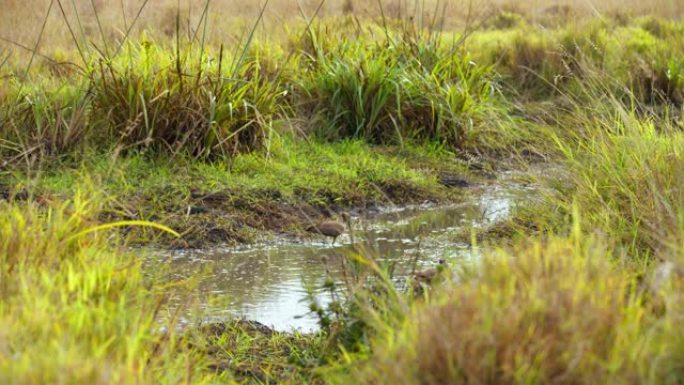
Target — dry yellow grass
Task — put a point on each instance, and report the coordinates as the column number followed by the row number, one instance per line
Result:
column 21, row 21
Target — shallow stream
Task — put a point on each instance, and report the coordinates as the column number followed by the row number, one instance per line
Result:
column 268, row 282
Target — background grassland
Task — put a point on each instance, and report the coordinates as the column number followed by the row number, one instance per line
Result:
column 208, row 102
column 225, row 113
column 21, row 23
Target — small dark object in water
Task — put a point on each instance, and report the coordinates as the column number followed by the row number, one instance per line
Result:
column 451, row 180
column 331, row 228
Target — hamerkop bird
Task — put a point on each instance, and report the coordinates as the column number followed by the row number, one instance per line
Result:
column 331, row 228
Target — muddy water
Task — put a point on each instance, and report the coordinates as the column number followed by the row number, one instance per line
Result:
column 268, row 283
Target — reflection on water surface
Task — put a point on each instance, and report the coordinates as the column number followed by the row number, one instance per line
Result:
column 268, row 283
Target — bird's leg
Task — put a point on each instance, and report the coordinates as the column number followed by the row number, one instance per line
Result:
column 333, row 241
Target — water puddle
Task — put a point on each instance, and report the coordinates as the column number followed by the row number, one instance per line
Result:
column 268, row 283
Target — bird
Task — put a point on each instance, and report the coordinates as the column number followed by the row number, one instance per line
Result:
column 425, row 277
column 331, row 228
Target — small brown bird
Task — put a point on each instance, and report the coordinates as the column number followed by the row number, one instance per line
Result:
column 426, row 277
column 331, row 228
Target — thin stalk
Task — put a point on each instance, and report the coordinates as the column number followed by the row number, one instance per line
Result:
column 204, row 34
column 178, row 59
column 123, row 14
column 71, row 31
column 384, row 21
column 48, row 58
column 78, row 20
column 4, row 61
column 203, row 18
column 99, row 26
column 130, row 27
column 307, row 30
column 40, row 37
column 249, row 39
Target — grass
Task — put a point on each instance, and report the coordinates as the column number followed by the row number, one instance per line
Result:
column 387, row 85
column 279, row 193
column 631, row 58
column 76, row 309
column 227, row 18
column 557, row 311
column 408, row 87
column 59, row 285
column 258, row 354
column 227, row 143
column 141, row 101
column 627, row 183
column 213, row 104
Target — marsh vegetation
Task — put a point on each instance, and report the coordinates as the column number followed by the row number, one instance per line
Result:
column 160, row 164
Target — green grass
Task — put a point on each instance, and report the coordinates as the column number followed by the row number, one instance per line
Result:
column 349, row 171
column 279, row 191
column 540, row 312
column 627, row 182
column 149, row 98
column 587, row 288
column 637, row 57
column 77, row 310
column 261, row 355
column 386, row 85
column 405, row 88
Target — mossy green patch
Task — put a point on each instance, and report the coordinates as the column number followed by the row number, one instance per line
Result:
column 251, row 194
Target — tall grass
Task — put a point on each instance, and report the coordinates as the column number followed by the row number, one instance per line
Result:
column 386, row 84
column 552, row 311
column 141, row 101
column 74, row 309
column 203, row 109
column 408, row 86
column 585, row 307
column 620, row 153
column 225, row 17
column 627, row 182
column 581, row 306
column 637, row 57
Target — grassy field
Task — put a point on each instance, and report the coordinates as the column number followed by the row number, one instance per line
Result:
column 127, row 123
